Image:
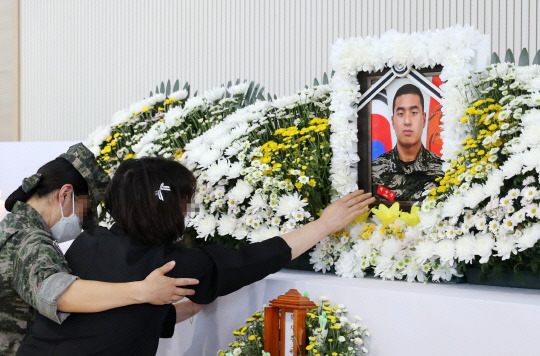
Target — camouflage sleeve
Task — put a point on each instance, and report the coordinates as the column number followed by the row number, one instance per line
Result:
column 40, row 273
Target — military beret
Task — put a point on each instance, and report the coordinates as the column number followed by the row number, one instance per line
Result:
column 86, row 164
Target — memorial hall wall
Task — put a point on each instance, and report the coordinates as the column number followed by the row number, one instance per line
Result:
column 81, row 61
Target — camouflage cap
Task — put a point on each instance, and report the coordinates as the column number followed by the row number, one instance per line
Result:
column 86, row 164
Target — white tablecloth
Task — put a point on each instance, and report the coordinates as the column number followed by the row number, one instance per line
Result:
column 403, row 318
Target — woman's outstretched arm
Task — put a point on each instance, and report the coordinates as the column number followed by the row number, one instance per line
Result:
column 334, row 218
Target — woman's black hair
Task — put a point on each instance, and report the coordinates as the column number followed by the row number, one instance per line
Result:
column 148, row 197
column 55, row 174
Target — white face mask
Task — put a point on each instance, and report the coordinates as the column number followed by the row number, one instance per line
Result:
column 67, row 228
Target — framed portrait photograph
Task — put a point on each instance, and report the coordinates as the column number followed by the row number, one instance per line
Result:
column 399, row 141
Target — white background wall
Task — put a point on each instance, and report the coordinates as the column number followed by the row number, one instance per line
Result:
column 81, row 61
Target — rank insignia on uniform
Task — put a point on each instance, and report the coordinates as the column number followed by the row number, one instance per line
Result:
column 385, row 192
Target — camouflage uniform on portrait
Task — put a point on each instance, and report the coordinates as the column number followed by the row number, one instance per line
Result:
column 33, row 271
column 407, row 179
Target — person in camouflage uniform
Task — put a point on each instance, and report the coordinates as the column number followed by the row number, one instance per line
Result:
column 407, row 179
column 33, row 271
column 408, row 169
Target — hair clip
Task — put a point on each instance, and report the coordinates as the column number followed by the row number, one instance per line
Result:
column 164, row 188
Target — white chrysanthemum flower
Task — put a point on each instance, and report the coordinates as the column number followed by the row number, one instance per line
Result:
column 217, row 170
column 494, row 183
column 505, row 247
column 137, row 107
column 286, row 102
column 257, row 203
column 512, row 166
column 206, row 226
column 174, row 116
column 303, row 179
column 529, row 192
column 194, row 154
column 347, row 266
column 474, row 196
column 453, row 206
column 209, row 157
column 233, row 149
column 518, row 217
column 532, row 211
column 534, row 87
column 528, row 181
column 429, row 219
column 507, row 225
column 252, row 220
column 241, row 232
column 263, row 233
column 506, row 202
column 480, row 223
column 391, row 247
column 424, row 251
column 445, row 249
column 484, row 246
column 288, row 204
column 465, row 248
column 513, row 193
column 444, row 272
column 289, row 225
column 219, row 193
column 227, row 225
column 234, row 170
column 300, row 215
column 238, row 89
column 121, row 117
column 194, row 103
column 494, row 226
column 275, row 221
column 492, row 204
column 240, row 192
column 362, row 249
column 179, row 94
column 529, row 238
column 101, row 135
column 154, row 99
column 215, row 94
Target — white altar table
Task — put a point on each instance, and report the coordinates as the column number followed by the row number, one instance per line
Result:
column 403, row 318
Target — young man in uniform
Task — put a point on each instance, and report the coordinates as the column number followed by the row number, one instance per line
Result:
column 408, row 169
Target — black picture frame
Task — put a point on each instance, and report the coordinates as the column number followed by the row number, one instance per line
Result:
column 364, row 134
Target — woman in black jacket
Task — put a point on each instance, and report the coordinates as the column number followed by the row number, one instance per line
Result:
column 148, row 199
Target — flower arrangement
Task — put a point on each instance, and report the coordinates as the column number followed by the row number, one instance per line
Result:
column 487, row 203
column 264, row 170
column 378, row 243
column 114, row 143
column 328, row 329
column 162, row 125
